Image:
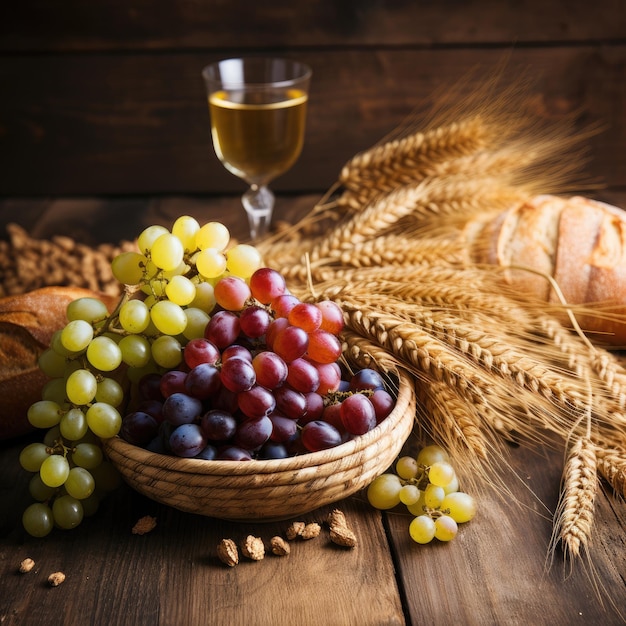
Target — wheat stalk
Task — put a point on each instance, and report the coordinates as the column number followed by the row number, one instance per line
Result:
column 454, row 419
column 365, row 354
column 574, row 516
column 398, row 159
column 612, row 467
column 468, row 342
column 431, row 359
column 428, row 198
column 390, row 244
column 396, row 250
column 409, row 160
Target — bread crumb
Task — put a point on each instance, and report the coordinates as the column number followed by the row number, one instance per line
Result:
column 144, row 525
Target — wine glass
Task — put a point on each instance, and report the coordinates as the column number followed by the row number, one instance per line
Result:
column 258, row 112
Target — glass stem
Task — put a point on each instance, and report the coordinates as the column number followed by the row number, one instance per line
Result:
column 259, row 204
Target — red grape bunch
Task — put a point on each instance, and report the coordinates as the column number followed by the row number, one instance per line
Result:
column 264, row 381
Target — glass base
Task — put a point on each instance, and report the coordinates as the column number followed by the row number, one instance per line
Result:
column 259, row 205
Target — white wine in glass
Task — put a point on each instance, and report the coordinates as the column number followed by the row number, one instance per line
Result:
column 258, row 117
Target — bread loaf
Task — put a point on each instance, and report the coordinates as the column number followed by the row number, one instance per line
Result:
column 579, row 242
column 27, row 323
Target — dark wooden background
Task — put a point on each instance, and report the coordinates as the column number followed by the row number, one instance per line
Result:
column 105, row 98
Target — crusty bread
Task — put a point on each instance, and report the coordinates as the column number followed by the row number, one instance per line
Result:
column 528, row 239
column 27, row 323
column 579, row 242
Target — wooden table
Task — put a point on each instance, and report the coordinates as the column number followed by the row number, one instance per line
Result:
column 497, row 571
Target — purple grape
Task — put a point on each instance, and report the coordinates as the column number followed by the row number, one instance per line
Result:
column 139, row 428
column 252, row 433
column 225, row 400
column 187, row 440
column 357, row 414
column 254, row 321
column 218, row 426
column 203, row 381
column 172, row 382
column 302, row 375
column 290, row 402
column 149, row 387
column 157, row 445
column 165, row 430
column 233, row 453
column 271, row 370
column 256, row 402
column 283, row 428
column 314, row 408
column 320, row 435
column 366, row 378
column 384, row 404
column 237, row 374
column 208, row 453
column 344, row 385
column 272, row 450
column 152, row 407
column 181, row 408
column 295, row 446
column 223, row 329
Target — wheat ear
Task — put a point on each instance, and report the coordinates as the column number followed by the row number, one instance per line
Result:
column 612, row 467
column 574, row 516
column 452, row 418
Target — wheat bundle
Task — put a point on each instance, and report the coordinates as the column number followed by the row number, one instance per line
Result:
column 389, row 244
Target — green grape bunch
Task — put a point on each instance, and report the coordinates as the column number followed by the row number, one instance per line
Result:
column 427, row 485
column 94, row 361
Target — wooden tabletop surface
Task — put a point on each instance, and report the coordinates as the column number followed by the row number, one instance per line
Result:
column 497, row 571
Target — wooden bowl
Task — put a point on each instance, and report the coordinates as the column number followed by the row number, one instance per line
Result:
column 266, row 490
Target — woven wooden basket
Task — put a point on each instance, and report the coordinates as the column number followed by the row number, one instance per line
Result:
column 268, row 489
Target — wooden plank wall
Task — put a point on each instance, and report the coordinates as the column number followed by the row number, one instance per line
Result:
column 105, row 97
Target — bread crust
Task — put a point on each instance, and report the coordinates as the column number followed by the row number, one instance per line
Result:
column 579, row 242
column 27, row 323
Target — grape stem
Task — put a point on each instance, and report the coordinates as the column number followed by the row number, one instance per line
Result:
column 58, row 448
column 420, row 480
column 435, row 513
column 113, row 316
